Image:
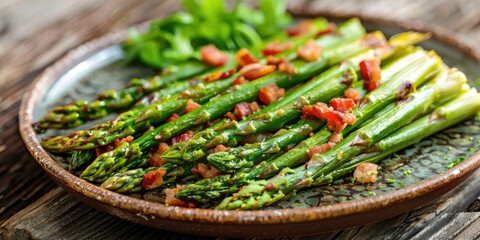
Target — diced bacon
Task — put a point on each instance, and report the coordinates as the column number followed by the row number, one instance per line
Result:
column 205, row 171
column 335, row 137
column 352, row 93
column 172, row 117
column 286, row 66
column 256, row 70
column 171, row 200
column 331, row 29
column 371, row 73
column 317, row 110
column 244, row 109
column 117, row 142
column 220, row 148
column 336, row 120
column 276, row 47
column 349, row 118
column 191, row 105
column 155, row 159
column 187, row 135
column 271, row 60
column 212, row 56
column 270, row 93
column 230, row 116
column 310, row 52
column 153, row 179
column 303, row 27
column 319, row 149
column 342, row 104
column 239, row 81
column 219, row 75
column 244, row 57
column 366, row 172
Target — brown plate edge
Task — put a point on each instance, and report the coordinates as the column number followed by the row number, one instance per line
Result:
column 157, row 215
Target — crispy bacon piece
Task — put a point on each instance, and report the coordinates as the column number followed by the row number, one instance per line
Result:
column 219, row 75
column 371, row 73
column 270, row 93
column 282, row 64
column 331, row 29
column 239, row 81
column 172, row 117
column 153, row 179
column 342, row 104
column 171, row 200
column 187, row 135
column 212, row 56
column 205, row 171
column 366, row 172
column 335, row 137
column 219, row 148
column 303, row 27
column 310, row 52
column 155, row 159
column 256, row 70
column 336, row 120
column 276, row 47
column 230, row 116
column 352, row 93
column 244, row 57
column 103, row 149
column 319, row 149
column 244, row 109
column 191, row 105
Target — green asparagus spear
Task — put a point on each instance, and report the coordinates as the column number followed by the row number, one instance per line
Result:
column 109, row 162
column 461, row 108
column 395, row 74
column 265, row 192
column 78, row 112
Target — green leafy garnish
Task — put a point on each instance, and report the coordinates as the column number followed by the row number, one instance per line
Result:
column 177, row 38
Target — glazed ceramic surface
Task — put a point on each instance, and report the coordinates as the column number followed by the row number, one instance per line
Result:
column 421, row 172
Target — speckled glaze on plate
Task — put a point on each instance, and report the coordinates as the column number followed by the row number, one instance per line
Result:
column 340, row 205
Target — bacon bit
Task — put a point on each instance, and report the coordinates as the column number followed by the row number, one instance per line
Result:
column 220, row 148
column 153, row 179
column 303, row 27
column 155, row 159
column 191, row 105
column 366, row 172
column 342, row 104
column 239, row 81
column 282, row 64
column 331, row 29
column 112, row 146
column 205, row 171
column 335, row 137
column 172, row 117
column 244, row 57
column 245, row 109
column 319, row 149
column 171, row 200
column 336, row 120
column 352, row 93
column 286, row 66
column 276, row 47
column 371, row 73
column 230, row 116
column 212, row 56
column 256, row 70
column 219, row 75
column 270, row 93
column 310, row 51
column 187, row 135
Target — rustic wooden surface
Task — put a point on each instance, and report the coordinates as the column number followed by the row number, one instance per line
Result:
column 33, row 34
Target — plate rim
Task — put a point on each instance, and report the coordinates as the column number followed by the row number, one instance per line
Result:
column 68, row 180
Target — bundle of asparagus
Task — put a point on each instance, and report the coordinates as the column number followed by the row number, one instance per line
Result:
column 316, row 104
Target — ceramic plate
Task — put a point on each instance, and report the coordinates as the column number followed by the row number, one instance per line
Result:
column 87, row 69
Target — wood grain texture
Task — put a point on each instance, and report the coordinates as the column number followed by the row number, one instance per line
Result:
column 33, row 34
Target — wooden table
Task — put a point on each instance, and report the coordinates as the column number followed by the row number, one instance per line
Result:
column 33, row 34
